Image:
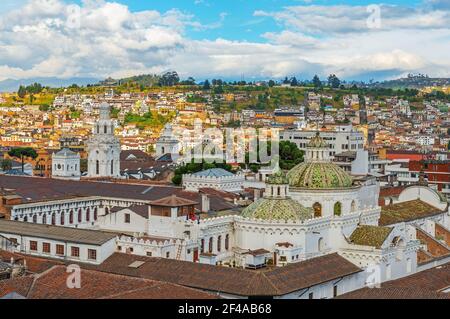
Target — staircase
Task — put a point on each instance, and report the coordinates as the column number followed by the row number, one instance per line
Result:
column 180, row 248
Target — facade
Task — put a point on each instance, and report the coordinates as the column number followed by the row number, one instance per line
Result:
column 103, row 148
column 66, row 165
column 344, row 138
column 168, row 143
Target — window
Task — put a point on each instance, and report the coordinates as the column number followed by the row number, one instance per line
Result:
column 33, row 245
column 53, row 219
column 60, row 250
column 202, row 246
column 335, row 291
column 317, row 210
column 112, row 167
column 75, row 251
column 80, row 217
column 149, row 253
column 311, row 295
column 97, row 167
column 62, row 218
column 219, row 243
column 167, row 254
column 71, row 217
column 127, row 218
column 92, row 254
column 337, row 209
column 35, row 219
column 46, row 248
column 210, row 248
column 95, row 214
column 227, row 242
column 88, row 215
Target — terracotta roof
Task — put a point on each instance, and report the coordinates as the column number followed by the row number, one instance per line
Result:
column 96, row 285
column 76, row 235
column 373, row 236
column 427, row 284
column 273, row 282
column 406, row 211
column 34, row 189
column 172, row 201
column 391, row 191
column 34, row 264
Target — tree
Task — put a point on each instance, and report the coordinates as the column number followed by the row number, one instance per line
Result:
column 294, row 81
column 22, row 152
column 316, row 81
column 6, row 164
column 271, row 83
column 290, row 155
column 333, row 81
column 21, row 92
column 169, row 79
column 206, row 85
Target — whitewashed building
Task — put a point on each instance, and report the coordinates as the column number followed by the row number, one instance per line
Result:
column 66, row 165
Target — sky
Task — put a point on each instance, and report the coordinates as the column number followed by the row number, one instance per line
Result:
column 230, row 39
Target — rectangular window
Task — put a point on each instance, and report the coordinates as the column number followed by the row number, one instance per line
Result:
column 335, row 291
column 33, row 245
column 75, row 252
column 168, row 255
column 127, row 218
column 311, row 295
column 149, row 253
column 46, row 248
column 92, row 254
column 60, row 250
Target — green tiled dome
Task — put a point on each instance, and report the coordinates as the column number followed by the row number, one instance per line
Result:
column 319, row 175
column 277, row 209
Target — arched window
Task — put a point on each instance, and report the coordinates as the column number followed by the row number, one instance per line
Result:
column 112, row 167
column 44, row 219
column 53, row 219
column 80, row 216
column 227, row 242
column 317, row 210
column 97, row 167
column 88, row 215
column 95, row 213
column 62, row 218
column 337, row 209
column 105, row 129
column 71, row 217
column 219, row 243
column 35, row 219
column 25, row 219
column 106, row 210
column 353, row 208
column 202, row 245
column 210, row 248
column 320, row 244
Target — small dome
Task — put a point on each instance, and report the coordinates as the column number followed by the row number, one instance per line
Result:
column 319, row 175
column 278, row 178
column 277, row 209
column 317, row 142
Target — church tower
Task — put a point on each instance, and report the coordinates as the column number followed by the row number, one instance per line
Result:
column 103, row 147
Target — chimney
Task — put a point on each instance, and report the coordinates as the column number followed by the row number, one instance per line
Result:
column 205, row 203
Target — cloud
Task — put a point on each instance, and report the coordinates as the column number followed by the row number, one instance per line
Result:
column 101, row 38
column 317, row 19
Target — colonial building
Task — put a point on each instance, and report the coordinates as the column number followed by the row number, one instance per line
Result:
column 103, row 147
column 66, row 165
column 168, row 143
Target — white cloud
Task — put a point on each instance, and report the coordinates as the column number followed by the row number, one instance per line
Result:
column 42, row 38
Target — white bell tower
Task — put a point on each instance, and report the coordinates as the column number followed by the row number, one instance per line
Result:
column 103, row 147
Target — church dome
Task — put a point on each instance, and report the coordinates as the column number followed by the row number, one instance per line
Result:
column 318, row 172
column 279, row 209
column 277, row 178
column 319, row 175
